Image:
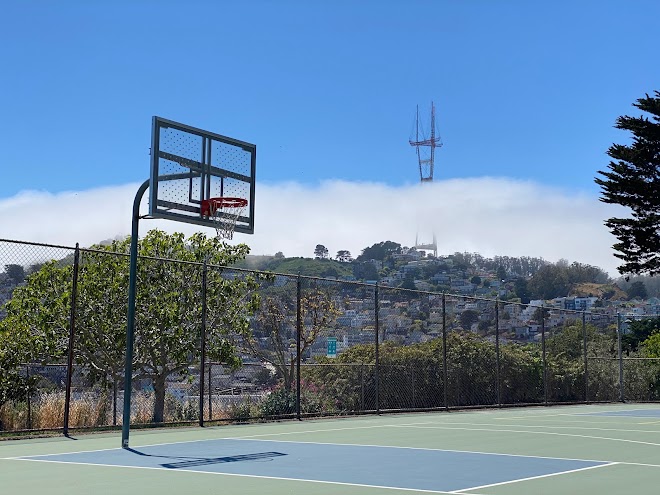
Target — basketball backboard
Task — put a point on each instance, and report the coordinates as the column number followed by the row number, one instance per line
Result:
column 189, row 166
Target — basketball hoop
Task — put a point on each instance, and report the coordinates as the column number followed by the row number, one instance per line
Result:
column 224, row 213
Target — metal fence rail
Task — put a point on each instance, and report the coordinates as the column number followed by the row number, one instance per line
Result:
column 316, row 347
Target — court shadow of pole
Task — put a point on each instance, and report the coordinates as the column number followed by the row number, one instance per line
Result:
column 187, row 462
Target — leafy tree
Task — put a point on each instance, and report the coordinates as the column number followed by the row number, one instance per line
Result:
column 38, row 313
column 652, row 284
column 320, row 252
column 16, row 273
column 476, row 280
column 484, row 326
column 633, row 181
column 581, row 273
column 637, row 290
column 549, row 282
column 408, row 282
column 330, row 272
column 638, row 332
column 468, row 318
column 380, row 251
column 540, row 314
column 522, row 291
column 652, row 345
column 365, row 271
column 13, row 352
column 501, row 273
column 344, row 256
column 35, row 267
column 317, row 311
column 522, row 267
column 168, row 308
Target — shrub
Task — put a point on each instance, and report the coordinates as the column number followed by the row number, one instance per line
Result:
column 243, row 410
column 279, row 403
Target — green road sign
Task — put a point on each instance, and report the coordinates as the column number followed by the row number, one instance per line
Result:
column 332, row 347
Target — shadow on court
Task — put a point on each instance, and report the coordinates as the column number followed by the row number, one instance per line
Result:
column 207, row 461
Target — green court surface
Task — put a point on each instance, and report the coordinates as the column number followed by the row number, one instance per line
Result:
column 588, row 449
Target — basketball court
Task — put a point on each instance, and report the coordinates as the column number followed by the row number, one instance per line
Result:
column 207, row 179
column 604, row 449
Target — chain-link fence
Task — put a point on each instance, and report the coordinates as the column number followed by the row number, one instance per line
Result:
column 222, row 344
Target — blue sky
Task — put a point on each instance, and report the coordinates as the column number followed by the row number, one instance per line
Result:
column 526, row 92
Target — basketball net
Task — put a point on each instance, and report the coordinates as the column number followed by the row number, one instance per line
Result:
column 224, row 213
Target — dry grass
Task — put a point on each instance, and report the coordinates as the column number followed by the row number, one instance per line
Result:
column 143, row 408
column 86, row 410
column 47, row 412
column 14, row 416
column 599, row 290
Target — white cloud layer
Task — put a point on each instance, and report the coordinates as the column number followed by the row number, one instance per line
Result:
column 491, row 216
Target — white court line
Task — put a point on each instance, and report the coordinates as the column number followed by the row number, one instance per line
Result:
column 604, row 464
column 534, row 477
column 199, row 440
column 428, row 449
column 500, row 430
column 591, row 414
column 419, row 425
column 623, row 430
column 434, row 450
column 587, row 421
column 417, row 490
column 534, row 416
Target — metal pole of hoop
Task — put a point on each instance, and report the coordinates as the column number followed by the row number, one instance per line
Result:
column 130, row 320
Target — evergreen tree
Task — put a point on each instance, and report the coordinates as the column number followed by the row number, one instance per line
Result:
column 320, row 252
column 637, row 290
column 633, row 181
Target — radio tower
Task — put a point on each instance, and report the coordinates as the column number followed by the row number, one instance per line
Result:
column 426, row 145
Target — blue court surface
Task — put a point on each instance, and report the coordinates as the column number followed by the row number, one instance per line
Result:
column 386, row 467
column 632, row 413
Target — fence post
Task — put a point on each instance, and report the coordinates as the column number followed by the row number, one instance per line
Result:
column 444, row 349
column 497, row 350
column 298, row 331
column 114, row 402
column 586, row 360
column 412, row 382
column 202, row 347
column 29, row 397
column 377, row 357
column 545, row 364
column 361, row 387
column 210, row 380
column 619, row 330
column 72, row 325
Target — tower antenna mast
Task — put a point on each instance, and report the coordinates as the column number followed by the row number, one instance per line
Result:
column 425, row 146
column 426, row 158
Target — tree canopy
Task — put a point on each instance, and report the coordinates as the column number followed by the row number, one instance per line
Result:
column 633, row 181
column 168, row 308
column 379, row 251
column 16, row 273
column 320, row 252
column 274, row 340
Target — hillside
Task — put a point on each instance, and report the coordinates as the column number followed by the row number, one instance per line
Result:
column 299, row 266
column 603, row 291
